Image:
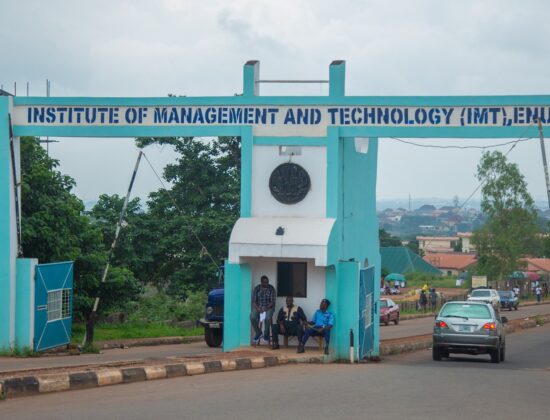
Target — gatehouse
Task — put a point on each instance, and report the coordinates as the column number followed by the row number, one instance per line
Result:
column 308, row 188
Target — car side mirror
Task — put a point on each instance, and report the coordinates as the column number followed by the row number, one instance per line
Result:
column 468, row 295
column 504, row 319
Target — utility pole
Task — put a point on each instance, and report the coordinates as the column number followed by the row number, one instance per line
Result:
column 543, row 150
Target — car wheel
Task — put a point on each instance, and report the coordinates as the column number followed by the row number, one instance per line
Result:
column 213, row 337
column 444, row 353
column 503, row 353
column 495, row 355
column 510, row 308
column 396, row 321
column 436, row 353
column 516, row 308
column 387, row 321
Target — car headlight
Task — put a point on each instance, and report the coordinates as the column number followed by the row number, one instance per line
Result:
column 209, row 310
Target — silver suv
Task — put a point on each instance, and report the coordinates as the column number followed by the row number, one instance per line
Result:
column 469, row 328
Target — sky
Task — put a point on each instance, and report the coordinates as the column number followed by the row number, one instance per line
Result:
column 198, row 47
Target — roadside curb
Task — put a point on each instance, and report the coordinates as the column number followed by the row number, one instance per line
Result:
column 422, row 342
column 42, row 384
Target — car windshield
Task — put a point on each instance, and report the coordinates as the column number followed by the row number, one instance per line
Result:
column 383, row 303
column 505, row 293
column 464, row 310
column 481, row 293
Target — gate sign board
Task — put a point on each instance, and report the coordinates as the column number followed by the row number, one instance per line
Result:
column 330, row 224
column 280, row 119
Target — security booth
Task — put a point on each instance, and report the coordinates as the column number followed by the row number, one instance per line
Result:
column 308, row 186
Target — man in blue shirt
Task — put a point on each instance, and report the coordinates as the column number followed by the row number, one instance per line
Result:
column 322, row 323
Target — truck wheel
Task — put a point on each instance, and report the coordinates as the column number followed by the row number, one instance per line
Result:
column 213, row 337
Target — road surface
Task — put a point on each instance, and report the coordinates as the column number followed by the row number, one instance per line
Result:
column 420, row 326
column 411, row 386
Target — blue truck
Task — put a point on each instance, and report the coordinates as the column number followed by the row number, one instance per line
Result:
column 213, row 318
column 213, row 314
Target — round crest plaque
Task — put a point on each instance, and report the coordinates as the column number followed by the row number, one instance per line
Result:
column 289, row 183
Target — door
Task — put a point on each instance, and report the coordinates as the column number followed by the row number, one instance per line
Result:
column 53, row 305
column 366, row 312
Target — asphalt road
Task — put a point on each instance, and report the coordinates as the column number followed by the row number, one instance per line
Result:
column 400, row 387
column 420, row 326
column 407, row 328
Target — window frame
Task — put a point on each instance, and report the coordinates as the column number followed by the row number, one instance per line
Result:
column 291, row 287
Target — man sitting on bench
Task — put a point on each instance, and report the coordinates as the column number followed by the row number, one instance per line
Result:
column 289, row 322
column 323, row 320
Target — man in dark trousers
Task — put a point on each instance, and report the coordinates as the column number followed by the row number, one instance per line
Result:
column 290, row 322
column 263, row 301
column 322, row 323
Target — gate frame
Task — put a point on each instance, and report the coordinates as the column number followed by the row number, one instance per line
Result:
column 334, row 137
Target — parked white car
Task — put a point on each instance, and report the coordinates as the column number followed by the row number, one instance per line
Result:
column 485, row 295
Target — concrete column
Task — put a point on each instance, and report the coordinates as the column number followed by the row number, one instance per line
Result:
column 237, row 300
column 24, row 302
column 251, row 76
column 337, row 78
column 8, row 231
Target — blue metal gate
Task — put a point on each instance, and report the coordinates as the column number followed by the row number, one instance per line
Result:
column 53, row 305
column 366, row 312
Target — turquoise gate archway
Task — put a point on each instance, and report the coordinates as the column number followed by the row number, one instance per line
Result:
column 347, row 127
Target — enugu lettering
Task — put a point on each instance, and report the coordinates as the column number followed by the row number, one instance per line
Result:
column 360, row 116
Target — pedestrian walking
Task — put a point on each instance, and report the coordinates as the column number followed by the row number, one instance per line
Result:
column 433, row 299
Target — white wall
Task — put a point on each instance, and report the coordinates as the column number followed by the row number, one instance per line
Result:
column 267, row 158
column 315, row 282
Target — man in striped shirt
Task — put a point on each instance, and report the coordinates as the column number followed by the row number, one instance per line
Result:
column 263, row 300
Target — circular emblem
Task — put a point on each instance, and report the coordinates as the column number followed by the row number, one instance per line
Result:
column 289, row 183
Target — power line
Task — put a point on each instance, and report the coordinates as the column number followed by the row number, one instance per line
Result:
column 433, row 146
column 204, row 249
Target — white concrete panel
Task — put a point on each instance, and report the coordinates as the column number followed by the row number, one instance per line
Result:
column 265, row 159
column 315, row 282
column 302, row 238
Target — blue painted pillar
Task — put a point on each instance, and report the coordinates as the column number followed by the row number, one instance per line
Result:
column 24, row 303
column 337, row 78
column 251, row 76
column 237, row 303
column 8, row 233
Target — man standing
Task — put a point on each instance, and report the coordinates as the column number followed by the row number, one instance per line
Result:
column 289, row 322
column 538, row 292
column 263, row 303
column 322, row 323
column 433, row 299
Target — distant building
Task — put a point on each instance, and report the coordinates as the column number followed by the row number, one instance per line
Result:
column 538, row 265
column 451, row 264
column 467, row 245
column 437, row 243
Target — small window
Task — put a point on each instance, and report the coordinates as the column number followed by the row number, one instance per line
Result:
column 292, row 279
column 59, row 304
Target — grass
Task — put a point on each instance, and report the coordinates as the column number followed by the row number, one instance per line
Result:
column 131, row 330
column 448, row 282
column 18, row 352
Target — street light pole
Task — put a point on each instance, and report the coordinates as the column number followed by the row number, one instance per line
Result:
column 543, row 150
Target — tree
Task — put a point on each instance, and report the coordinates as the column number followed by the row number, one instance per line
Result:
column 386, row 239
column 55, row 228
column 511, row 228
column 192, row 219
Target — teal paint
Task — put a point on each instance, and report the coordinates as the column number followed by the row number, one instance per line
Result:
column 24, row 303
column 290, row 141
column 337, row 79
column 505, row 100
column 333, row 170
column 247, row 141
column 127, row 131
column 251, row 75
column 342, row 289
column 8, row 244
column 238, row 287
